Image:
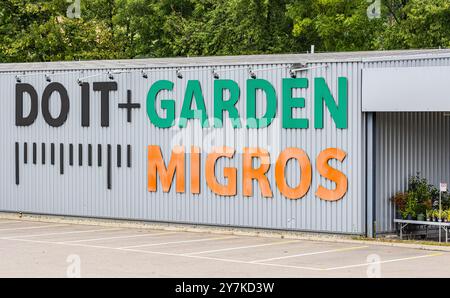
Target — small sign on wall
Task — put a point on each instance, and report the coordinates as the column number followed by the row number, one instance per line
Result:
column 443, row 187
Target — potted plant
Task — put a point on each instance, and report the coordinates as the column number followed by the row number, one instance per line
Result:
column 426, row 209
column 429, row 214
column 445, row 200
column 435, row 215
column 410, row 208
column 399, row 200
column 420, row 217
column 444, row 216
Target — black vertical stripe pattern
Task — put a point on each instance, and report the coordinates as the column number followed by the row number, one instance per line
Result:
column 80, row 155
column 61, row 159
column 43, row 153
column 34, row 153
column 90, row 155
column 109, row 161
column 25, row 153
column 17, row 164
column 119, row 156
column 99, row 155
column 52, row 154
column 71, row 154
column 129, row 156
column 109, row 167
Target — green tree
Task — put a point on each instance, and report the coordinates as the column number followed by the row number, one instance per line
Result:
column 334, row 25
column 416, row 24
column 39, row 30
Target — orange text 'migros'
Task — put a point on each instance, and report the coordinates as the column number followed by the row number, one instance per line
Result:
column 175, row 172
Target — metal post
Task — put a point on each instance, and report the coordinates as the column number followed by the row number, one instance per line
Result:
column 440, row 214
column 370, row 176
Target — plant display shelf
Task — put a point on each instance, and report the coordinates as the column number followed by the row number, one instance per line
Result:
column 403, row 223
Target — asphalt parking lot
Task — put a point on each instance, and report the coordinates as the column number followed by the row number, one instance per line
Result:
column 40, row 249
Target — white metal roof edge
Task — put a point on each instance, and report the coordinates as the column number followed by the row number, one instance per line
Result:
column 186, row 62
column 412, row 57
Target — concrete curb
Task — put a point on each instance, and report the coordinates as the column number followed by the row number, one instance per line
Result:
column 217, row 230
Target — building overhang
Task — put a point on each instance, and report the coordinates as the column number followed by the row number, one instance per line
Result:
column 406, row 89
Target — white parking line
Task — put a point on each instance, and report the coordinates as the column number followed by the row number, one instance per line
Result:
column 384, row 262
column 164, row 254
column 309, row 254
column 120, row 237
column 177, row 242
column 61, row 233
column 31, row 228
column 9, row 222
column 220, row 260
column 210, row 258
column 240, row 247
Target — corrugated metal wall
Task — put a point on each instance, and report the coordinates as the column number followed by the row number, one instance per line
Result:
column 82, row 190
column 407, row 143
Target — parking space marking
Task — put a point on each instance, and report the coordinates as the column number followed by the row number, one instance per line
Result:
column 57, row 243
column 61, row 233
column 178, row 242
column 384, row 262
column 31, row 228
column 241, row 247
column 120, row 237
column 10, row 221
column 221, row 260
column 310, row 254
column 162, row 253
column 210, row 258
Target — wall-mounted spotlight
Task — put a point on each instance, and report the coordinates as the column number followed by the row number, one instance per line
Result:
column 18, row 79
column 144, row 74
column 110, row 75
column 298, row 67
column 48, row 78
column 215, row 74
column 179, row 74
column 292, row 73
column 251, row 73
column 79, row 82
column 304, row 67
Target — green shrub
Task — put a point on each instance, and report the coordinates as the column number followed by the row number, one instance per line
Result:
column 421, row 198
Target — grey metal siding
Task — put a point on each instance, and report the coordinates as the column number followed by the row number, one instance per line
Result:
column 81, row 190
column 401, row 150
column 407, row 144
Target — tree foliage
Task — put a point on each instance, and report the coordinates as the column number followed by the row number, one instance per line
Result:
column 39, row 30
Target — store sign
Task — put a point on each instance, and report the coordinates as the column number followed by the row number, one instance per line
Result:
column 161, row 112
column 226, row 95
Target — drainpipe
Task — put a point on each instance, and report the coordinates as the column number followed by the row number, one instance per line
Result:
column 370, row 176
